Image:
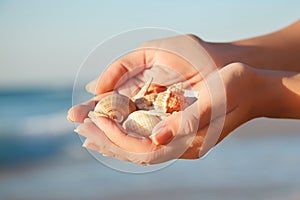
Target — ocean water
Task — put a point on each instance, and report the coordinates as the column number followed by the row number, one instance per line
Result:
column 32, row 123
column 41, row 158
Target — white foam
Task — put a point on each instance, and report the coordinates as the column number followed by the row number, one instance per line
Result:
column 50, row 124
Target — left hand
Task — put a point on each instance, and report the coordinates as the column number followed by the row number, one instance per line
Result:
column 128, row 74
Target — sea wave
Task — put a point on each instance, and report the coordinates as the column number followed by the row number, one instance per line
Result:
column 34, row 137
column 50, row 124
column 53, row 124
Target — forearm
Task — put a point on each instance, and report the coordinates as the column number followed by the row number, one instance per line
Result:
column 279, row 94
column 275, row 51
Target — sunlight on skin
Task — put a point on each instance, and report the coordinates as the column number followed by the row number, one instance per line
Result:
column 249, row 94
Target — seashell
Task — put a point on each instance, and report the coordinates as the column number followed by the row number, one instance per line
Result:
column 143, row 90
column 177, row 87
column 115, row 106
column 169, row 101
column 141, row 122
column 93, row 115
column 146, row 102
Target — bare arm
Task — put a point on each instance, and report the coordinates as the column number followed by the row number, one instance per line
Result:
column 281, row 91
column 279, row 50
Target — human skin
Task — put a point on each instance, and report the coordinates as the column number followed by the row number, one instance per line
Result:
column 242, row 106
column 250, row 93
column 275, row 51
column 137, row 67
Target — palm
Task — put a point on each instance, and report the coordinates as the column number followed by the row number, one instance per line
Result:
column 164, row 68
column 127, row 76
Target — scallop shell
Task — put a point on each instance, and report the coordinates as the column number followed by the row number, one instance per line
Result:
column 115, row 106
column 141, row 122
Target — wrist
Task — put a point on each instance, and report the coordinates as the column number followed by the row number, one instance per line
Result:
column 230, row 52
column 276, row 97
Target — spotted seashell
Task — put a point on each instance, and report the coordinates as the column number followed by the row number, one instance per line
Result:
column 115, row 106
column 141, row 122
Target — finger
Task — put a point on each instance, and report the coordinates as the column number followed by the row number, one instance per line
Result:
column 103, row 145
column 118, row 136
column 97, row 141
column 79, row 112
column 118, row 72
column 211, row 103
column 88, row 144
column 89, row 130
column 182, row 123
column 173, row 150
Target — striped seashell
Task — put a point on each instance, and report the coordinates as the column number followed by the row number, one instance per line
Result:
column 141, row 122
column 115, row 106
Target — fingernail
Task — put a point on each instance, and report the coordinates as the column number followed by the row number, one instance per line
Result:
column 84, row 144
column 89, row 87
column 157, row 129
column 161, row 134
column 90, row 146
column 69, row 119
column 164, row 137
column 95, row 119
column 86, row 120
column 76, row 130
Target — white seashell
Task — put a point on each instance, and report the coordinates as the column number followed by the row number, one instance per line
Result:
column 141, row 122
column 143, row 90
column 115, row 106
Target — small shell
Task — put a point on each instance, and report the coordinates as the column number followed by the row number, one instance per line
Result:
column 93, row 115
column 143, row 90
column 169, row 101
column 115, row 106
column 177, row 87
column 146, row 102
column 141, row 122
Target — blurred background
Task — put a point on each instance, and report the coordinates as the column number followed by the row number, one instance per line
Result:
column 42, row 44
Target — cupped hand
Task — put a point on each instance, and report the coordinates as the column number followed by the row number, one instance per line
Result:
column 167, row 62
column 160, row 60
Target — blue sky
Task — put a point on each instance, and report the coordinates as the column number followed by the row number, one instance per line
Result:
column 42, row 43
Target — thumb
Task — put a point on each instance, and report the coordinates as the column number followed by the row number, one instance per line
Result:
column 118, row 72
column 178, row 124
